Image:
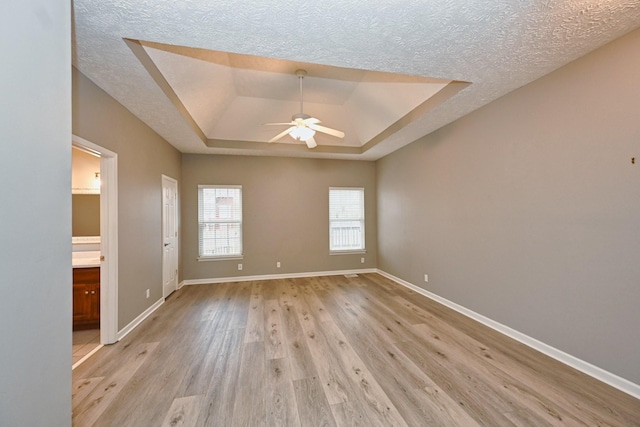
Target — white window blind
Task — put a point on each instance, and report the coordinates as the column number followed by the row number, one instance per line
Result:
column 219, row 221
column 346, row 219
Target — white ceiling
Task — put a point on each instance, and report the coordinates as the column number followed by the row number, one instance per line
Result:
column 207, row 75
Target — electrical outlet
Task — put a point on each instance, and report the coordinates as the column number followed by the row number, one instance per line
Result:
column 148, row 293
column 278, row 264
column 426, row 277
column 362, row 260
column 239, row 266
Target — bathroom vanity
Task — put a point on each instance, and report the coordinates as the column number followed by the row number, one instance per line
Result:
column 86, row 298
column 86, row 290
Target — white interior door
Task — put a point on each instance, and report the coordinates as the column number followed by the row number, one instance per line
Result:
column 169, row 235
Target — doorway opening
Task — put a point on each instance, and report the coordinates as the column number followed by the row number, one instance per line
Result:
column 85, row 226
column 106, row 295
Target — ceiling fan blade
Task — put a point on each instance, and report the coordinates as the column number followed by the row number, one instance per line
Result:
column 278, row 124
column 280, row 135
column 332, row 132
column 311, row 121
column 311, row 143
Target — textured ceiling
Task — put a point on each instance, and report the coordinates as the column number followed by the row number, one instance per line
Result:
column 207, row 74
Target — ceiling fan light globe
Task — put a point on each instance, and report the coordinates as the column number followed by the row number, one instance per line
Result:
column 302, row 133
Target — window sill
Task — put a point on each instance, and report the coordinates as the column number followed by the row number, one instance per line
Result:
column 220, row 258
column 350, row 252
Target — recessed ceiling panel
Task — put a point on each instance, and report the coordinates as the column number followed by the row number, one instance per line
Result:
column 205, row 88
column 231, row 97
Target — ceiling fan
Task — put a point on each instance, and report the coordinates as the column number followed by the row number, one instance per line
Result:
column 302, row 126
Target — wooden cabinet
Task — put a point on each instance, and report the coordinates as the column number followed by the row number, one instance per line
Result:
column 86, row 298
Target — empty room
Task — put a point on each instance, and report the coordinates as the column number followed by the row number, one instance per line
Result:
column 337, row 213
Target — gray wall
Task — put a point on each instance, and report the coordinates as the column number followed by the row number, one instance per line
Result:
column 285, row 213
column 35, row 213
column 143, row 156
column 528, row 210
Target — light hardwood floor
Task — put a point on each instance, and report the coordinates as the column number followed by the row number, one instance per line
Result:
column 330, row 351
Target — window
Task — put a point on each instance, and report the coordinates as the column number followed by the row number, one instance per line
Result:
column 346, row 219
column 219, row 221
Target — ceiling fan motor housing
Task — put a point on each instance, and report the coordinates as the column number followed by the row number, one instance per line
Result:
column 301, row 116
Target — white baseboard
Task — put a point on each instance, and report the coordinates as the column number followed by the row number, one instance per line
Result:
column 135, row 322
column 276, row 276
column 579, row 364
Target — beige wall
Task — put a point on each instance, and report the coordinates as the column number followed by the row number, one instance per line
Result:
column 285, row 213
column 35, row 213
column 143, row 156
column 528, row 210
column 85, row 214
column 85, row 190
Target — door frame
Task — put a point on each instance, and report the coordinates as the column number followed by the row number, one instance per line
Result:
column 166, row 178
column 108, row 238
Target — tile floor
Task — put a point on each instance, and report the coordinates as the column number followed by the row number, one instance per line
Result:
column 84, row 342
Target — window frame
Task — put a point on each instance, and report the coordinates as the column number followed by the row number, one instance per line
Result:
column 361, row 220
column 201, row 222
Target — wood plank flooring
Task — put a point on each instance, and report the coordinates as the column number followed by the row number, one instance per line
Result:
column 330, row 351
